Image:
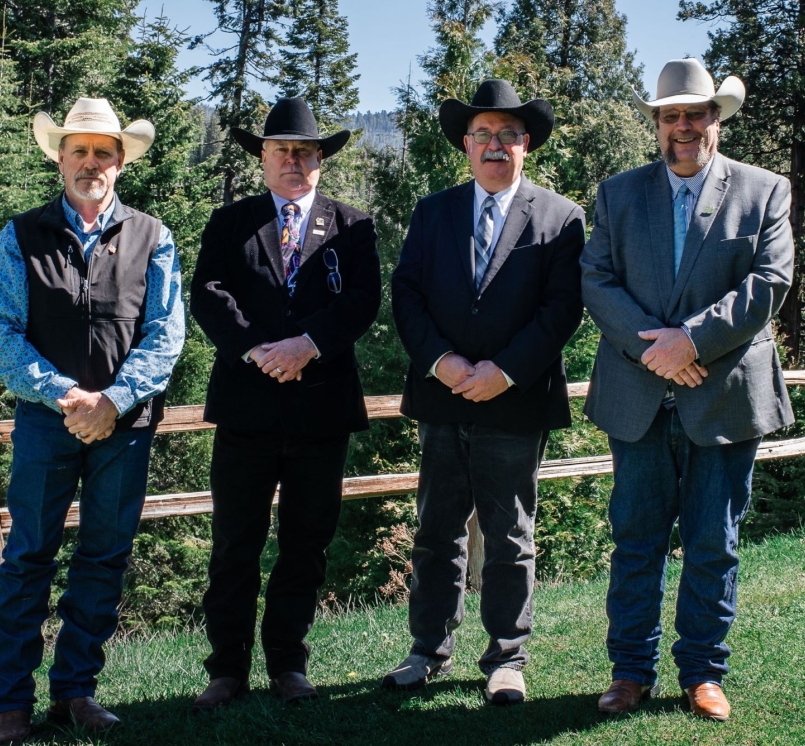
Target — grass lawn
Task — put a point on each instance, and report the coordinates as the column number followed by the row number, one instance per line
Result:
column 150, row 682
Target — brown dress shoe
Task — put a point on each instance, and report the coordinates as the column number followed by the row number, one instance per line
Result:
column 219, row 692
column 15, row 726
column 292, row 686
column 624, row 696
column 708, row 701
column 84, row 712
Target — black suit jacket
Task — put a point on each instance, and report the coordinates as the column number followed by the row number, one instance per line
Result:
column 528, row 306
column 239, row 299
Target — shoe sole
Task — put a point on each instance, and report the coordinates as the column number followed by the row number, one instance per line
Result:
column 390, row 683
column 241, row 691
column 648, row 694
column 69, row 721
column 505, row 697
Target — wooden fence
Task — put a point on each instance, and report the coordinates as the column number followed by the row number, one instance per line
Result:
column 189, row 418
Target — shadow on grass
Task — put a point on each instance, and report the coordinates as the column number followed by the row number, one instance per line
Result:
column 354, row 714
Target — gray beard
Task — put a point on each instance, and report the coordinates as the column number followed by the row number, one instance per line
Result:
column 703, row 154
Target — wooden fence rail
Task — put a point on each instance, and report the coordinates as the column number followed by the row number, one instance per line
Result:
column 189, row 418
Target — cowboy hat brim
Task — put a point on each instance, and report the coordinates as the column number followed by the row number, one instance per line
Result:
column 254, row 143
column 136, row 138
column 730, row 97
column 537, row 115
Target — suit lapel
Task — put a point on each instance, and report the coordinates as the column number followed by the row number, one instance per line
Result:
column 661, row 230
column 268, row 236
column 707, row 207
column 462, row 209
column 516, row 220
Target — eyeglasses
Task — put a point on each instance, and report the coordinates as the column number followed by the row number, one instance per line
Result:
column 334, row 278
column 692, row 115
column 506, row 137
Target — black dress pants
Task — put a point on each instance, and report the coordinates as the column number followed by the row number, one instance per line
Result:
column 246, row 468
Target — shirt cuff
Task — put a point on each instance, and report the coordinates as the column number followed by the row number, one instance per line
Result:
column 318, row 354
column 508, row 380
column 432, row 371
column 121, row 397
column 246, row 356
column 687, row 331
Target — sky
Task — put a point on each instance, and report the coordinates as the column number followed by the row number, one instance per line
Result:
column 389, row 35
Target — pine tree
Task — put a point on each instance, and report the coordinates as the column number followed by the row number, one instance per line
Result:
column 763, row 43
column 316, row 65
column 250, row 59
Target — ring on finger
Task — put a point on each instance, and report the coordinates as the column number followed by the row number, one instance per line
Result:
column 278, row 369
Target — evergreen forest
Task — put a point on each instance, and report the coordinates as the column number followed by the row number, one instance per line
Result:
column 571, row 52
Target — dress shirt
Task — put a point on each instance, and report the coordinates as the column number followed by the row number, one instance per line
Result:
column 503, row 201
column 694, row 184
column 146, row 370
column 305, row 204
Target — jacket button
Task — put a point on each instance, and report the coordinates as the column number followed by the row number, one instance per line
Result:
column 287, row 311
column 474, row 311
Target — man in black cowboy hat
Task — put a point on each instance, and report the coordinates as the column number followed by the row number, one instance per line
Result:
column 485, row 296
column 286, row 283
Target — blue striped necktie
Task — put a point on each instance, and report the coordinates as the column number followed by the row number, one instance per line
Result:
column 483, row 240
column 680, row 225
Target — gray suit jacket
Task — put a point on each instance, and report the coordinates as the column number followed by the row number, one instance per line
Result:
column 736, row 269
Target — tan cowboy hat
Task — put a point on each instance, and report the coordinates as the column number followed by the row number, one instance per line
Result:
column 93, row 116
column 687, row 82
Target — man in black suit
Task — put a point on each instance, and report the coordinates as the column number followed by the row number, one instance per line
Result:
column 486, row 294
column 286, row 283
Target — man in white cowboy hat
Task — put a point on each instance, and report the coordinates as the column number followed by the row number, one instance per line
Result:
column 286, row 283
column 486, row 294
column 689, row 260
column 91, row 324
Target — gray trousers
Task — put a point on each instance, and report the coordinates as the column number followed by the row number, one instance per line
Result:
column 466, row 466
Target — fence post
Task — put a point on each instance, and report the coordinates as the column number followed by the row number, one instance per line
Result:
column 475, row 553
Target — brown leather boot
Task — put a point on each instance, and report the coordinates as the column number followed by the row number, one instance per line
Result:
column 219, row 692
column 15, row 726
column 84, row 712
column 624, row 695
column 708, row 701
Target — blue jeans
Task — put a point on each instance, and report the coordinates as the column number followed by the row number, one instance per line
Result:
column 466, row 466
column 660, row 478
column 48, row 463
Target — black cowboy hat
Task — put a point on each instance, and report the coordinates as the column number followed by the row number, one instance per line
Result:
column 290, row 119
column 499, row 96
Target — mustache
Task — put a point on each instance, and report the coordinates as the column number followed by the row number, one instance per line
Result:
column 90, row 173
column 494, row 155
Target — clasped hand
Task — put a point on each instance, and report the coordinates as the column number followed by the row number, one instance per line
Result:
column 672, row 356
column 90, row 416
column 285, row 359
column 479, row 382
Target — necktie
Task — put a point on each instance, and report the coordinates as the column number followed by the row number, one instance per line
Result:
column 291, row 250
column 483, row 240
column 680, row 225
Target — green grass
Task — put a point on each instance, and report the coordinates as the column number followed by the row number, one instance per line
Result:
column 151, row 681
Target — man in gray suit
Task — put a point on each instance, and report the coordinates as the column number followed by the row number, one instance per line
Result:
column 688, row 262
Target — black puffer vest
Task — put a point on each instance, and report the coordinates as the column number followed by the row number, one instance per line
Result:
column 85, row 317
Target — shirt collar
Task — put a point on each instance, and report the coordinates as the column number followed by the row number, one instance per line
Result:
column 503, row 198
column 74, row 219
column 694, row 183
column 305, row 202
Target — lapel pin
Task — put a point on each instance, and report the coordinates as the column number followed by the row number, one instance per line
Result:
column 709, row 210
column 319, row 221
column 318, row 233
column 112, row 249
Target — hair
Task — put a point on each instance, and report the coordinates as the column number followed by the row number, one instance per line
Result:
column 714, row 108
column 117, row 140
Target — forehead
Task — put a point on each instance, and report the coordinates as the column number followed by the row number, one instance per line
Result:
column 291, row 144
column 95, row 142
column 489, row 120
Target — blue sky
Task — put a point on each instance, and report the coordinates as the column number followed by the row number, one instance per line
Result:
column 388, row 35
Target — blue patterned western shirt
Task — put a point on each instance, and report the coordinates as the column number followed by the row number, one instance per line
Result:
column 145, row 372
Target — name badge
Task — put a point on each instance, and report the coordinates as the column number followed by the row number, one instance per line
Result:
column 318, row 233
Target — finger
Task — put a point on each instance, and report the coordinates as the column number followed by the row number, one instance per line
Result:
column 702, row 370
column 649, row 334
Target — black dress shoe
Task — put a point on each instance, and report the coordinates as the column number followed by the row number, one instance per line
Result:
column 219, row 692
column 84, row 712
column 15, row 726
column 292, row 686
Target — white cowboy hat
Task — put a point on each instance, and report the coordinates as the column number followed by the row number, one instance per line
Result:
column 93, row 116
column 687, row 82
